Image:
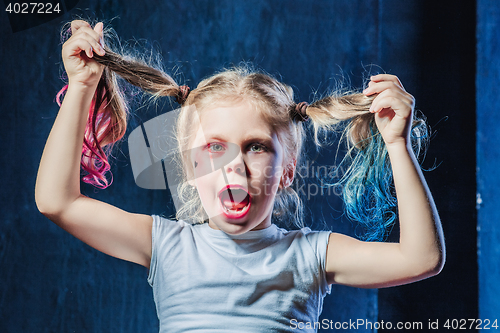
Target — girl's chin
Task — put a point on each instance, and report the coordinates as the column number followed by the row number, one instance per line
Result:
column 229, row 227
column 235, row 227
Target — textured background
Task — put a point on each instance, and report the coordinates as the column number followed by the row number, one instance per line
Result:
column 52, row 282
column 488, row 156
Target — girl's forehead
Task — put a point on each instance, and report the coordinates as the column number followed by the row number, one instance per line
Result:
column 232, row 119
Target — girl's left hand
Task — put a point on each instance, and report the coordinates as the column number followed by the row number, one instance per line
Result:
column 393, row 108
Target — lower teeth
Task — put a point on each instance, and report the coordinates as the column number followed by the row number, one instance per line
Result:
column 233, row 210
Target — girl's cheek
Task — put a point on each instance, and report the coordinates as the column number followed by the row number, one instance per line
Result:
column 255, row 189
column 262, row 166
column 255, row 169
column 204, row 182
column 203, row 164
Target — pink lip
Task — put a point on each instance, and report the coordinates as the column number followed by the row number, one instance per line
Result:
column 239, row 214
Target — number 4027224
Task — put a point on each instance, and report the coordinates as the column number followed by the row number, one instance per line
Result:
column 464, row 324
column 33, row 8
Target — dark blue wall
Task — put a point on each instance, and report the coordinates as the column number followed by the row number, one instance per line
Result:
column 52, row 282
column 444, row 59
column 488, row 157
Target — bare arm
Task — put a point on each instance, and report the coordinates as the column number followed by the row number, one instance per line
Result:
column 420, row 252
column 57, row 194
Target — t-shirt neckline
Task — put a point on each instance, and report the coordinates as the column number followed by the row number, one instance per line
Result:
column 252, row 234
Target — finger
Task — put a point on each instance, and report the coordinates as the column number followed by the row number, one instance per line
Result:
column 397, row 106
column 99, row 29
column 89, row 31
column 96, row 37
column 386, row 77
column 401, row 105
column 404, row 97
column 91, row 39
column 76, row 46
column 378, row 87
column 398, row 93
column 77, row 24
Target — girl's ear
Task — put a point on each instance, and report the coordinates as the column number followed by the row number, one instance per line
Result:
column 189, row 170
column 190, row 177
column 288, row 174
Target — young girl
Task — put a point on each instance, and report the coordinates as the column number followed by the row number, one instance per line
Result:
column 240, row 137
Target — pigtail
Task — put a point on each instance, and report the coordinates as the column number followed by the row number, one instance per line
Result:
column 108, row 113
column 140, row 74
column 365, row 171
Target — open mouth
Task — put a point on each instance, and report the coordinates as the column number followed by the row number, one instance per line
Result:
column 235, row 201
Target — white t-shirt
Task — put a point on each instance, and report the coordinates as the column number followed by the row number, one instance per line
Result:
column 205, row 280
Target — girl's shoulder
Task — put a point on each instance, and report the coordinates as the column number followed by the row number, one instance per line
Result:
column 164, row 228
column 318, row 240
column 308, row 233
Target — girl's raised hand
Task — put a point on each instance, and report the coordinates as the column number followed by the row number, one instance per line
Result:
column 393, row 108
column 77, row 53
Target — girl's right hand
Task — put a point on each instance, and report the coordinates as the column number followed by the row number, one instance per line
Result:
column 77, row 53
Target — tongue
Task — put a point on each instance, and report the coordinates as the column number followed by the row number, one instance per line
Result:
column 234, row 205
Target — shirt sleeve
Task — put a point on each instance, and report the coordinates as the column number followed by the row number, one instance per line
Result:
column 319, row 243
column 154, row 255
column 162, row 232
column 165, row 236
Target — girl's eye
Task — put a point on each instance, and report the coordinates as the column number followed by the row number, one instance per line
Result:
column 257, row 148
column 215, row 147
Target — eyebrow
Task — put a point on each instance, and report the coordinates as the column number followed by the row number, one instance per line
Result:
column 250, row 136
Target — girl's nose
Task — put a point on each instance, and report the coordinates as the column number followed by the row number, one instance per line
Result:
column 237, row 164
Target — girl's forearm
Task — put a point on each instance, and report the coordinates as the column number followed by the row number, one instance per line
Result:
column 421, row 234
column 58, row 179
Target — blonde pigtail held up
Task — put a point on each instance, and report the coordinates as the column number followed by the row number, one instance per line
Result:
column 327, row 113
column 108, row 114
column 139, row 74
column 365, row 171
